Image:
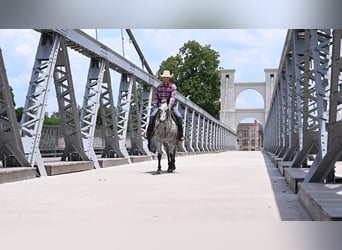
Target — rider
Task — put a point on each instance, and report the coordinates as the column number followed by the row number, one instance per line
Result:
column 168, row 91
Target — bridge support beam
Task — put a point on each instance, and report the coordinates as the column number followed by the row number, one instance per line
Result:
column 191, row 130
column 90, row 107
column 36, row 100
column 138, row 145
column 11, row 147
column 109, row 119
column 67, row 107
column 331, row 151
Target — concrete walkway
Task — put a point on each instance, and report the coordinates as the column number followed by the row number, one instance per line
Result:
column 126, row 201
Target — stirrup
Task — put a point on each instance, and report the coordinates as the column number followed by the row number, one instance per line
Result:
column 148, row 135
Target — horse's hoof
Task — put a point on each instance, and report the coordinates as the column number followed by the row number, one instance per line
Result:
column 170, row 170
column 158, row 172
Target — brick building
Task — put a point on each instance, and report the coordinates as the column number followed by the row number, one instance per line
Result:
column 249, row 136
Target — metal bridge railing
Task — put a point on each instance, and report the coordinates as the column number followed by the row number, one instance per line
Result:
column 128, row 119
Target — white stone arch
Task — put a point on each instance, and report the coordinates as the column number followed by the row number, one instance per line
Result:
column 259, row 89
column 230, row 90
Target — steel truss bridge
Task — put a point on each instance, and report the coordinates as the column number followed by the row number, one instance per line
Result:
column 19, row 143
column 305, row 114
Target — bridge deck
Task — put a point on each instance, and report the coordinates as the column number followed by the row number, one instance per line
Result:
column 212, row 188
column 220, row 186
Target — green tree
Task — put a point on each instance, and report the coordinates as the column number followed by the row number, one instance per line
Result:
column 19, row 113
column 51, row 120
column 196, row 74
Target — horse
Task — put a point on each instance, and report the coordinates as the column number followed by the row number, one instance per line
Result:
column 165, row 136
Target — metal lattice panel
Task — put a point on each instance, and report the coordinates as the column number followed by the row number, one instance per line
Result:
column 123, row 109
column 190, row 129
column 11, row 148
column 324, row 169
column 145, row 109
column 292, row 128
column 301, row 79
column 138, row 146
column 90, row 107
column 36, row 100
column 207, row 135
column 68, row 107
column 196, row 136
column 320, row 41
column 146, row 105
column 109, row 119
column 183, row 111
column 202, row 135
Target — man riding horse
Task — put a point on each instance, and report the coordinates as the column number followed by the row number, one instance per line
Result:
column 166, row 90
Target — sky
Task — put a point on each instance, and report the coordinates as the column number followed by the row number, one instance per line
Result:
column 248, row 51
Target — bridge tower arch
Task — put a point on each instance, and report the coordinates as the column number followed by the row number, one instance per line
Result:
column 230, row 90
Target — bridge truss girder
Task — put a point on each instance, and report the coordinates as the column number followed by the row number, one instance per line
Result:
column 314, row 94
column 52, row 65
column 90, row 107
column 31, row 123
column 67, row 107
column 109, row 119
column 332, row 150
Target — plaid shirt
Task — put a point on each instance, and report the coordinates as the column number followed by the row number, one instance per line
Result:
column 167, row 92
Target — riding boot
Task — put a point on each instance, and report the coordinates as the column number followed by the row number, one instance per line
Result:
column 149, row 132
column 180, row 129
column 180, row 133
column 149, row 146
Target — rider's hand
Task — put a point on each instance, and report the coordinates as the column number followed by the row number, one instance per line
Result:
column 170, row 108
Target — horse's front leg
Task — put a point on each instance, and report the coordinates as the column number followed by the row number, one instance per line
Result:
column 159, row 163
column 173, row 160
column 169, row 162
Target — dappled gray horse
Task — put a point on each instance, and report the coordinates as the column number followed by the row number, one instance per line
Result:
column 166, row 135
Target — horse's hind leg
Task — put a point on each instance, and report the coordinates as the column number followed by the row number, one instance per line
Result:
column 173, row 160
column 159, row 164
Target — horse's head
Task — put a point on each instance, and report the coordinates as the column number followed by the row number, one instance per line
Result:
column 163, row 110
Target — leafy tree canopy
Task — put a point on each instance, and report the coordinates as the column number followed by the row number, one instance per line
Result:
column 196, row 74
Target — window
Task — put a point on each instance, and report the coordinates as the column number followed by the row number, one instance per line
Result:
column 245, row 133
column 244, row 142
column 253, row 142
column 252, row 133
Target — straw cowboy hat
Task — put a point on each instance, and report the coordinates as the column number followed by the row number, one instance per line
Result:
column 166, row 73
